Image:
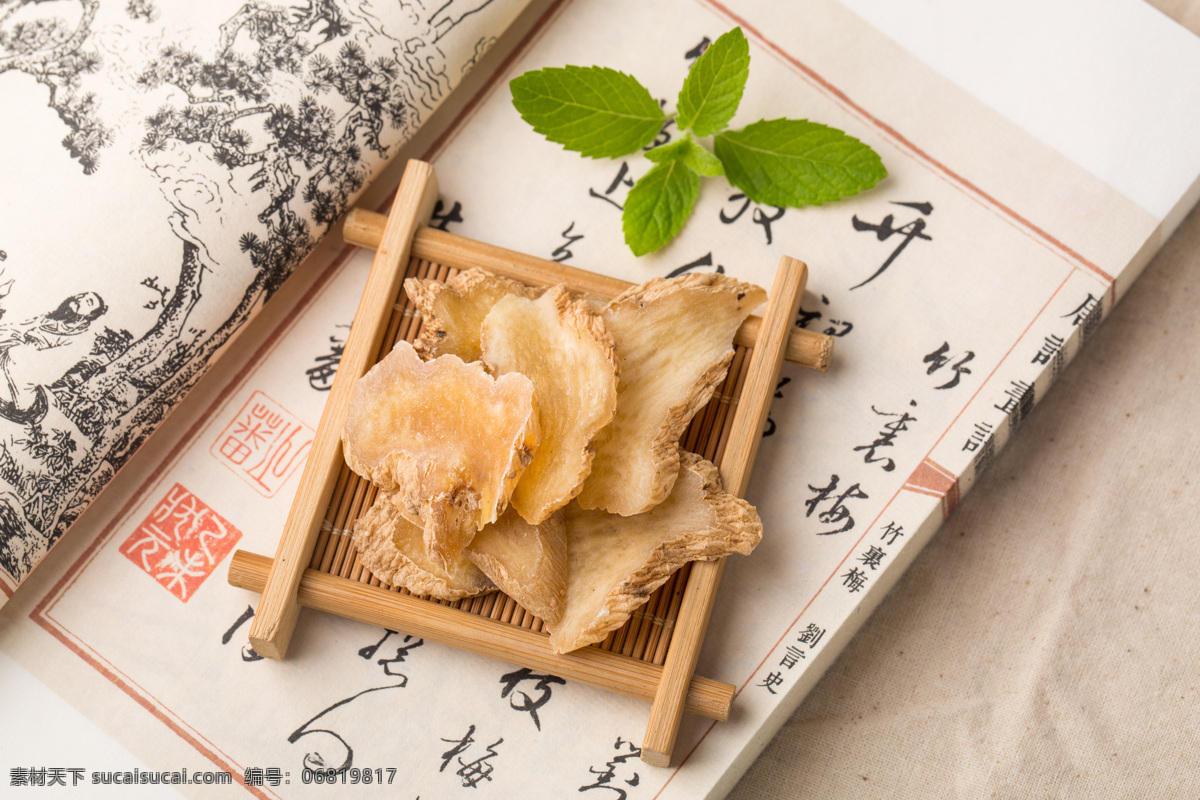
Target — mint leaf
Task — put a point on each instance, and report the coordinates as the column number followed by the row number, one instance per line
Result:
column 597, row 111
column 787, row 162
column 690, row 153
column 600, row 112
column 713, row 87
column 658, row 205
column 703, row 161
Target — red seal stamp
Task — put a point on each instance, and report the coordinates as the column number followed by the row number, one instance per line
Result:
column 264, row 444
column 181, row 542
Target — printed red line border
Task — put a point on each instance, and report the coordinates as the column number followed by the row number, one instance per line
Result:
column 871, row 526
column 903, row 487
column 953, row 177
column 531, row 37
column 41, row 612
column 899, row 139
column 931, row 466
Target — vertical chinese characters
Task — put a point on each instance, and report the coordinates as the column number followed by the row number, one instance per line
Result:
column 479, row 768
column 886, row 228
column 521, row 700
column 320, row 374
column 739, row 204
column 331, row 751
column 939, row 359
column 806, row 640
column 886, row 437
column 612, row 776
column 837, row 512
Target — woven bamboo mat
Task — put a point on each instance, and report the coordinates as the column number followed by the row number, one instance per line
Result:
column 647, row 634
column 315, row 565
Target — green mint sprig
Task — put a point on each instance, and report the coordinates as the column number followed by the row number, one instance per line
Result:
column 602, row 113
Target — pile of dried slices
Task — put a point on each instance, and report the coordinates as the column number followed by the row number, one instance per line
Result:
column 530, row 441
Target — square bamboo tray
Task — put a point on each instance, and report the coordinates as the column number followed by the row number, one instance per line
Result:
column 653, row 656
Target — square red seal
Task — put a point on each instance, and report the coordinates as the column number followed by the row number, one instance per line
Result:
column 181, row 542
column 264, row 444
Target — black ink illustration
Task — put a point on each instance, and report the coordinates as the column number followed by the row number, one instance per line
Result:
column 259, row 129
column 57, row 55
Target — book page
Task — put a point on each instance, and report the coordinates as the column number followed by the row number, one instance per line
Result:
column 172, row 167
column 955, row 291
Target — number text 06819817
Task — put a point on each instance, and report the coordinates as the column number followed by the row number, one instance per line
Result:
column 351, row 775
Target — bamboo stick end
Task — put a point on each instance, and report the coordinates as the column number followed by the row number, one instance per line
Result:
column 268, row 649
column 363, row 228
column 286, row 584
column 248, row 570
column 722, row 701
column 270, row 637
column 825, row 354
column 655, row 758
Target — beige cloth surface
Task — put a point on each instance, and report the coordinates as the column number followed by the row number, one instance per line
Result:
column 1046, row 644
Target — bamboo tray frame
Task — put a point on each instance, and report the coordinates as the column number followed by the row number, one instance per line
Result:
column 654, row 655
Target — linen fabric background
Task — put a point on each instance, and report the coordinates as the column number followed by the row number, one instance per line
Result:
column 1046, row 642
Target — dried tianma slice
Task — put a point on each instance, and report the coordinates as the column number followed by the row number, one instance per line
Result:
column 446, row 436
column 562, row 346
column 614, row 563
column 528, row 562
column 393, row 549
column 453, row 310
column 674, row 341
